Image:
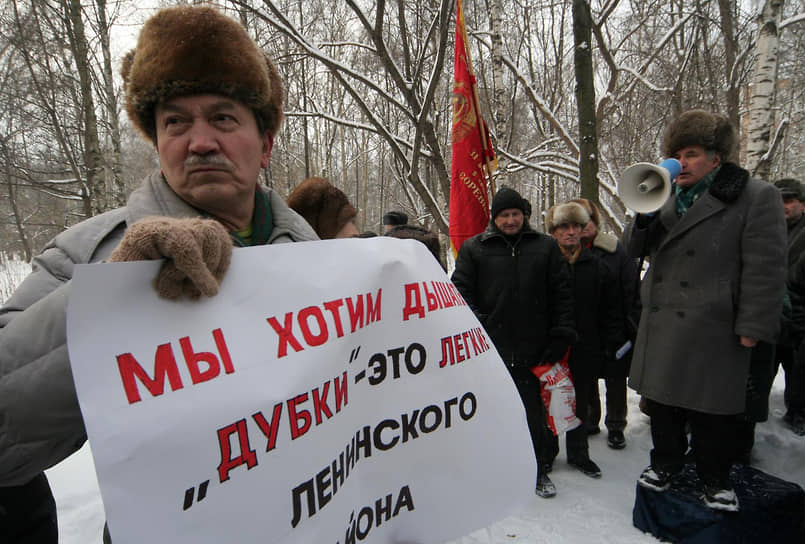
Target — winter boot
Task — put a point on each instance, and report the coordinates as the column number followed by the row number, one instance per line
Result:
column 586, row 466
column 616, row 440
column 545, row 487
column 720, row 498
column 658, row 480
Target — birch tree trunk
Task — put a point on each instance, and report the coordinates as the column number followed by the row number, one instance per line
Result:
column 764, row 81
column 92, row 146
column 117, row 196
column 500, row 111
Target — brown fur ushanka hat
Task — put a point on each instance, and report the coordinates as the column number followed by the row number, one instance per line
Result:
column 712, row 131
column 188, row 50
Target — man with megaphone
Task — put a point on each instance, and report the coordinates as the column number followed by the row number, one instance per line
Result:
column 714, row 288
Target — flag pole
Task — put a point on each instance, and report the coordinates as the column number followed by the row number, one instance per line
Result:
column 477, row 106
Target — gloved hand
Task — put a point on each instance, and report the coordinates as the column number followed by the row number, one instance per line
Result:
column 561, row 339
column 555, row 351
column 643, row 220
column 197, row 253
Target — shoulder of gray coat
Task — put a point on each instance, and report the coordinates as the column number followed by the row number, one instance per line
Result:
column 289, row 226
column 81, row 241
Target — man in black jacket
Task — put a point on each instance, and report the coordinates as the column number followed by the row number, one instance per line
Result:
column 597, row 316
column 792, row 194
column 515, row 281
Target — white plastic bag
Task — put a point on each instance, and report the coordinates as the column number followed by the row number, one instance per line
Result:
column 558, row 395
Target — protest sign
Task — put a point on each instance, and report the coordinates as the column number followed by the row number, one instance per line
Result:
column 334, row 391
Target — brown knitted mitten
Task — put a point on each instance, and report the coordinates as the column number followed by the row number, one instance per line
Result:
column 197, row 253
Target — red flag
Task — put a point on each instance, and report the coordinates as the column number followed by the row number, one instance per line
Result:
column 472, row 149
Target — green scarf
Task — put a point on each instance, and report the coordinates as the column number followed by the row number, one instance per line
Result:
column 262, row 222
column 687, row 197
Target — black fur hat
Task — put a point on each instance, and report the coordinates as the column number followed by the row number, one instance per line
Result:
column 187, row 50
column 712, row 131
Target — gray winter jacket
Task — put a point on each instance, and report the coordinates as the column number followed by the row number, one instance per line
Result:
column 40, row 421
column 717, row 273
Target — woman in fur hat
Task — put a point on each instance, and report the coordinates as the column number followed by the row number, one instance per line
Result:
column 325, row 207
column 717, row 249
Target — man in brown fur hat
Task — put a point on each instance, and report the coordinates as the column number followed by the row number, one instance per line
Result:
column 210, row 100
column 717, row 249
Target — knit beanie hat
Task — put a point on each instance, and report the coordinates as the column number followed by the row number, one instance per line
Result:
column 325, row 207
column 187, row 50
column 712, row 131
column 563, row 214
column 507, row 198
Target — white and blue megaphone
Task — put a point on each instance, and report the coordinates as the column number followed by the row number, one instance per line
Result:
column 644, row 187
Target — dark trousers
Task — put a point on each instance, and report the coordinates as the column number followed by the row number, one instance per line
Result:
column 762, row 368
column 714, row 438
column 528, row 387
column 795, row 383
column 616, row 404
column 28, row 513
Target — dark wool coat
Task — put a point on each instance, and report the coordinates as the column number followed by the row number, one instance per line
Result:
column 716, row 274
column 607, row 248
column 518, row 289
column 599, row 321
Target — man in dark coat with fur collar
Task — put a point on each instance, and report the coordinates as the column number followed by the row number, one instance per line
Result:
column 717, row 249
column 515, row 281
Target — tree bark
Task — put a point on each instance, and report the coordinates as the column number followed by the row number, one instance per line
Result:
column 764, row 82
column 585, row 99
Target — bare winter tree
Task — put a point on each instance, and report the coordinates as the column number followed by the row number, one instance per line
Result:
column 369, row 98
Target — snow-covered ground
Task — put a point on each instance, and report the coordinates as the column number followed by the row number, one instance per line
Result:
column 584, row 510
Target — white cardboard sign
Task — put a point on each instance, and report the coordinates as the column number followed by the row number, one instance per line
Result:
column 332, row 392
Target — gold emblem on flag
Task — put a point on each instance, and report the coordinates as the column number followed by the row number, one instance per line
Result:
column 464, row 120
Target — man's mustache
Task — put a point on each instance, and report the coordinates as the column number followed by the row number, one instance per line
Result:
column 208, row 160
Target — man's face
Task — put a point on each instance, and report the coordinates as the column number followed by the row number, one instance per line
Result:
column 696, row 162
column 793, row 208
column 510, row 221
column 211, row 153
column 589, row 232
column 568, row 235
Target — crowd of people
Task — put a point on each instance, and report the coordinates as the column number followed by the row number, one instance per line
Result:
column 700, row 337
